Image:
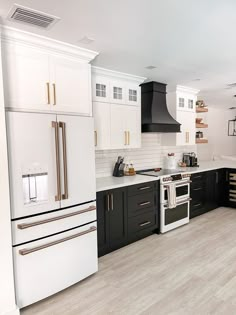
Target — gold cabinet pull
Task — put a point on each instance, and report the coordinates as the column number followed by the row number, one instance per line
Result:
column 58, row 169
column 63, row 126
column 128, row 137
column 125, row 137
column 187, row 137
column 54, row 94
column 48, row 92
column 96, row 138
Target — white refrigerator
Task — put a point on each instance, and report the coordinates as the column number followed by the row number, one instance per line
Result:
column 53, row 202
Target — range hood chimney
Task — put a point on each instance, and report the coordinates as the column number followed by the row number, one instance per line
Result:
column 155, row 115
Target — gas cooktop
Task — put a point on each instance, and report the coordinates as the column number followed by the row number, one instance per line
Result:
column 158, row 172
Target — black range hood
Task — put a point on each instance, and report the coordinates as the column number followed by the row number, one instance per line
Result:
column 155, row 115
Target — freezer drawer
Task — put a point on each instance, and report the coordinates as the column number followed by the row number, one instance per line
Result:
column 45, row 267
column 33, row 228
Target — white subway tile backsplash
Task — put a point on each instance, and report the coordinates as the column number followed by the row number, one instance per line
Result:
column 150, row 155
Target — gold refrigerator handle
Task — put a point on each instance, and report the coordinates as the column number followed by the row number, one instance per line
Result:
column 62, row 125
column 54, row 94
column 23, row 226
column 56, row 126
column 26, row 251
column 48, row 93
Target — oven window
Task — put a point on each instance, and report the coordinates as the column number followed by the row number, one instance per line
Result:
column 176, row 214
column 180, row 191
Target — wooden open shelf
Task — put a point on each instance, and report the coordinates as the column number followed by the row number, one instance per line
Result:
column 201, row 125
column 199, row 141
column 201, row 109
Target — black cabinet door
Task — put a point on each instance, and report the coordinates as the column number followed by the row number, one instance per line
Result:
column 215, row 189
column 212, row 183
column 102, row 223
column 117, row 218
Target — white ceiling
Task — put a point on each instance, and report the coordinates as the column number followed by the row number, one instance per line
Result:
column 185, row 39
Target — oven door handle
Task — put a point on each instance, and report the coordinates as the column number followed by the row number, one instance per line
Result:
column 180, row 202
column 180, row 184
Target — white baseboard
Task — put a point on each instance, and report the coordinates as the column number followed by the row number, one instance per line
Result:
column 16, row 311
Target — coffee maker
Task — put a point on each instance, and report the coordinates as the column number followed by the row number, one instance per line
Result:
column 190, row 159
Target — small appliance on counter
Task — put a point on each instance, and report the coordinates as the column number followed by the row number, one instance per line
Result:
column 171, row 162
column 190, row 159
column 119, row 167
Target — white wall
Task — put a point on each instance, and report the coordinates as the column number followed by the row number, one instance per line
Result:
column 219, row 143
column 7, row 293
column 150, row 155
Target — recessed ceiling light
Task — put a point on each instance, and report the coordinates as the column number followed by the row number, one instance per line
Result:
column 196, row 80
column 86, row 40
column 150, row 67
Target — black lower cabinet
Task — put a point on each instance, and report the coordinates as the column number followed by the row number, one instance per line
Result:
column 112, row 220
column 230, row 188
column 208, row 191
column 127, row 214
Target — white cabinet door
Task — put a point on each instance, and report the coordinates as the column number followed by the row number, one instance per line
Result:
column 26, row 78
column 100, row 88
column 102, row 122
column 125, row 127
column 133, row 95
column 70, row 86
column 32, row 161
column 80, row 166
column 117, row 91
column 187, row 121
column 133, row 126
column 118, row 134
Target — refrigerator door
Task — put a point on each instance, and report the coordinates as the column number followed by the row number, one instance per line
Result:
column 51, row 264
column 32, row 161
column 77, row 156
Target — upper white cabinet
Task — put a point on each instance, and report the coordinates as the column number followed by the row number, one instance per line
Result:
column 26, row 78
column 117, row 109
column 115, row 87
column 70, row 88
column 186, row 98
column 40, row 74
column 182, row 106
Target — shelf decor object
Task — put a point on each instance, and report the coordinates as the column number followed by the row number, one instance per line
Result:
column 201, row 109
column 201, row 140
column 201, row 125
column 232, row 127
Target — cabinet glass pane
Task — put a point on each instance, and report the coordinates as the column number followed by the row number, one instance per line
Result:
column 117, row 93
column 100, row 90
column 190, row 104
column 133, row 95
column 181, row 102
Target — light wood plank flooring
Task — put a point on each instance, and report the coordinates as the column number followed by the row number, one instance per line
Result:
column 190, row 270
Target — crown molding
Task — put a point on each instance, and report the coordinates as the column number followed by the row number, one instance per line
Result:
column 186, row 89
column 117, row 75
column 13, row 35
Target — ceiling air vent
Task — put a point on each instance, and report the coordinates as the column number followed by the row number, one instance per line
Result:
column 31, row 17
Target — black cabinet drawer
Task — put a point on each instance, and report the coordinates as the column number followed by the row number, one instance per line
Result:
column 141, row 188
column 138, row 203
column 141, row 222
column 198, row 176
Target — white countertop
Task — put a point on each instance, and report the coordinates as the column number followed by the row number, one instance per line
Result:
column 110, row 182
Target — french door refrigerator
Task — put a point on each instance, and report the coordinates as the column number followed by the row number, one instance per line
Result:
column 53, row 202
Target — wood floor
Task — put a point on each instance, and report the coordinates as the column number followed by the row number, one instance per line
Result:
column 190, row 270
